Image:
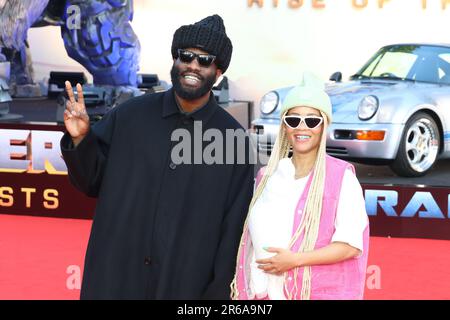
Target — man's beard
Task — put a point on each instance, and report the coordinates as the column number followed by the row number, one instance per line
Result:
column 190, row 93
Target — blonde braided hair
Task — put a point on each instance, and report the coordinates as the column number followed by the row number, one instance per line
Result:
column 309, row 225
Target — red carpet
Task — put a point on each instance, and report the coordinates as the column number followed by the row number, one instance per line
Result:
column 41, row 258
column 35, row 253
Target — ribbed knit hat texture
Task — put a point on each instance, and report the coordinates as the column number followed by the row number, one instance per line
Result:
column 207, row 34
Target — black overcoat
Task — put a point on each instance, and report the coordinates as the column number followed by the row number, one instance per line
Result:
column 161, row 230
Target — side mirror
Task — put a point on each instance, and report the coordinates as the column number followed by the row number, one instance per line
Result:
column 336, row 77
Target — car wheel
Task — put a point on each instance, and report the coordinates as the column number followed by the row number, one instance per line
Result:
column 418, row 148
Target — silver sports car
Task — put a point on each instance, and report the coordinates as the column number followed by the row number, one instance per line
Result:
column 395, row 110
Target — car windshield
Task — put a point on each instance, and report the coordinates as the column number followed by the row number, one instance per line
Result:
column 420, row 63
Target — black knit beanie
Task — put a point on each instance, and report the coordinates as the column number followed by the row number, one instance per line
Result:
column 207, row 34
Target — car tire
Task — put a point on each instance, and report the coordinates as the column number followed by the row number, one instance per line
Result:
column 419, row 147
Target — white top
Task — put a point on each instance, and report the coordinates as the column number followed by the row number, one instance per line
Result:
column 272, row 217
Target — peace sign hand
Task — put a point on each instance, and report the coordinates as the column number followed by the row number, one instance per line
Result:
column 76, row 118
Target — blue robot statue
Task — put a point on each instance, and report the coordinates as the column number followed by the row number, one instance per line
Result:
column 96, row 33
column 16, row 17
column 102, row 40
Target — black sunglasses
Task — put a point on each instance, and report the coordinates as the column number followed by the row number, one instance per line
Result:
column 186, row 56
column 294, row 121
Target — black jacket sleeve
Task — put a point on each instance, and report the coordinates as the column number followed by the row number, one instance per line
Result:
column 239, row 197
column 86, row 162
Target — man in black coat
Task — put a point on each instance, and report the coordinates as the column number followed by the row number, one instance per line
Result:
column 163, row 228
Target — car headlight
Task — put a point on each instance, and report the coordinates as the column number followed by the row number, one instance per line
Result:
column 269, row 102
column 368, row 107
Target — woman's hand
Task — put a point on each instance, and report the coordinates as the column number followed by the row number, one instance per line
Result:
column 283, row 261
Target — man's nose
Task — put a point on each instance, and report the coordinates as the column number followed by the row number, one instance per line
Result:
column 194, row 64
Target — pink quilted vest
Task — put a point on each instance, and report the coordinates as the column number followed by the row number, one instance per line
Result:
column 343, row 280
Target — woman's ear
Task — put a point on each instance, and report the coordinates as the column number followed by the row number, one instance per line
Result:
column 283, row 125
column 324, row 117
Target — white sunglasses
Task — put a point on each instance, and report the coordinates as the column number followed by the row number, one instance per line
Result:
column 294, row 121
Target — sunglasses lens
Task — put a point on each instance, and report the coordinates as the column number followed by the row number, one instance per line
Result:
column 205, row 60
column 292, row 122
column 186, row 56
column 312, row 122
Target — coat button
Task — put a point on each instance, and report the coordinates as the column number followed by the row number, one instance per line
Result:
column 172, row 166
column 147, row 261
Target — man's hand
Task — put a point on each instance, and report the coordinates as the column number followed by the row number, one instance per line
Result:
column 76, row 119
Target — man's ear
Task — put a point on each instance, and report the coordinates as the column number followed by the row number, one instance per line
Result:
column 218, row 74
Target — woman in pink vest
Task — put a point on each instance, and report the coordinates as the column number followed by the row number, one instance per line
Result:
column 307, row 233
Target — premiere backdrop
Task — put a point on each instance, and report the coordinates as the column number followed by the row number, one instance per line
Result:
column 274, row 40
